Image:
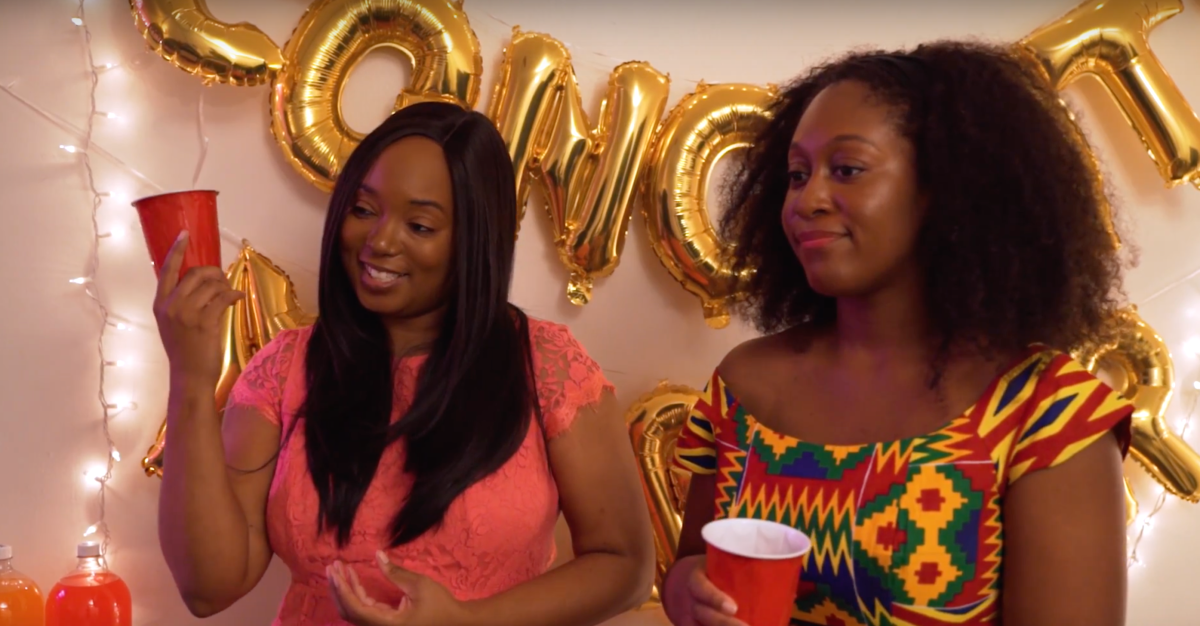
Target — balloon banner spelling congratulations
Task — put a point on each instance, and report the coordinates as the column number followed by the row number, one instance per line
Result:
column 332, row 37
column 269, row 307
column 1109, row 39
column 707, row 125
column 588, row 175
column 655, row 421
column 591, row 176
column 1145, row 375
column 186, row 34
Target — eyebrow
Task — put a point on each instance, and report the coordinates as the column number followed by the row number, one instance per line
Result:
column 839, row 139
column 415, row 201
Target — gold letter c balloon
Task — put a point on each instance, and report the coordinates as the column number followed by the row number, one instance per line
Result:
column 187, row 35
column 1146, row 376
column 332, row 37
column 702, row 129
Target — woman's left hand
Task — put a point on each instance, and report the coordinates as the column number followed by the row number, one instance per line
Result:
column 425, row 603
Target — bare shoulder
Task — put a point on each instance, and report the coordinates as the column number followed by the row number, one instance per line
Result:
column 763, row 362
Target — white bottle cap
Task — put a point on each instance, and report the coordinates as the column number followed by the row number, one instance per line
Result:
column 5, row 552
column 87, row 549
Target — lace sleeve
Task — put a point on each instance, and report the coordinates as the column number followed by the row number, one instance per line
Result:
column 567, row 378
column 260, row 385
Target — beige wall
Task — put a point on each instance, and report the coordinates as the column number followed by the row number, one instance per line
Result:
column 641, row 326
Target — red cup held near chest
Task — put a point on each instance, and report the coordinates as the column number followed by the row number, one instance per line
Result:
column 757, row 563
column 165, row 215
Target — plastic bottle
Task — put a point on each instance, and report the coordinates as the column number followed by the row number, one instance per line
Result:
column 21, row 602
column 90, row 595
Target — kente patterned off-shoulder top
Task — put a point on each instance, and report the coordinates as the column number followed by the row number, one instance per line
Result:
column 498, row 534
column 909, row 531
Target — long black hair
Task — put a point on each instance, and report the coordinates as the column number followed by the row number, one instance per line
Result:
column 475, row 392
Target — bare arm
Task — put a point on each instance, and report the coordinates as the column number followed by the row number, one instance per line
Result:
column 613, row 568
column 1064, row 543
column 210, row 519
column 698, row 512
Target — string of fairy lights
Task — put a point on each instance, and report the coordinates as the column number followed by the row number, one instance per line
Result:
column 99, row 474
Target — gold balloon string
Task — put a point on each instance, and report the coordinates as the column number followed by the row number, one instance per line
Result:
column 203, row 141
column 91, row 289
column 1161, row 500
column 605, row 66
column 1194, row 273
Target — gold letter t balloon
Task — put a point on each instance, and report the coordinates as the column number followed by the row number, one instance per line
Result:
column 1109, row 39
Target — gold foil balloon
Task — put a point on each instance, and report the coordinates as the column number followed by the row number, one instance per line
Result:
column 270, row 306
column 186, row 34
column 589, row 174
column 332, row 37
column 1108, row 38
column 1141, row 364
column 701, row 130
column 655, row 421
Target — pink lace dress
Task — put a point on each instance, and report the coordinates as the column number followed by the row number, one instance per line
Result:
column 496, row 535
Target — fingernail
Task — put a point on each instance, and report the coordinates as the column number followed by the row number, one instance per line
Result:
column 182, row 235
column 729, row 607
column 381, row 557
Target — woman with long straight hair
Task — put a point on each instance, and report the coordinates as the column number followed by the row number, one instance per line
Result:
column 408, row 455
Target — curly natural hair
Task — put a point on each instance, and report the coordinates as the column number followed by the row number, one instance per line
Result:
column 1017, row 246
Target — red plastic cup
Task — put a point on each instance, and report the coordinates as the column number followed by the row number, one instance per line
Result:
column 164, row 216
column 757, row 563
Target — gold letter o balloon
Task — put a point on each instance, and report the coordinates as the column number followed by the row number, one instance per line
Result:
column 332, row 37
column 706, row 126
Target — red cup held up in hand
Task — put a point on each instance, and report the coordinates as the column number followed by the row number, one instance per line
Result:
column 164, row 216
column 757, row 563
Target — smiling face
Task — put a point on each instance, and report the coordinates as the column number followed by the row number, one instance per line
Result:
column 853, row 208
column 397, row 240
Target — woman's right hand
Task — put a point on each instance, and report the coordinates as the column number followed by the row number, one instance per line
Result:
column 189, row 312
column 690, row 598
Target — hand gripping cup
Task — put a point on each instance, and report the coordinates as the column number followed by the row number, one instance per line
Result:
column 164, row 216
column 757, row 563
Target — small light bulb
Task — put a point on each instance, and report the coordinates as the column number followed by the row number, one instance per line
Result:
column 122, row 326
column 69, row 148
column 91, row 530
column 94, row 474
column 77, row 21
column 110, row 115
column 1192, row 346
column 79, row 281
column 116, row 455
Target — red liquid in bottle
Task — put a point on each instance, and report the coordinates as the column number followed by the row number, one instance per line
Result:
column 89, row 596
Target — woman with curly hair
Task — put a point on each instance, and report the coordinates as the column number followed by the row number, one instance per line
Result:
column 928, row 237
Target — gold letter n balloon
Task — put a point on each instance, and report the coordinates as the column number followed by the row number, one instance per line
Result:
column 588, row 175
column 332, row 37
